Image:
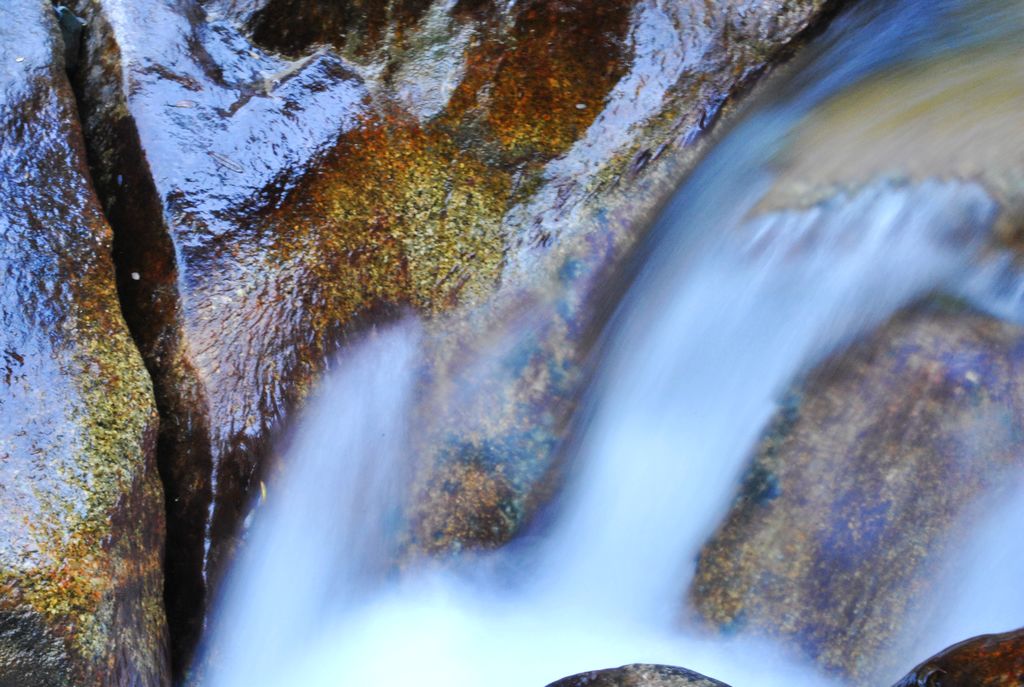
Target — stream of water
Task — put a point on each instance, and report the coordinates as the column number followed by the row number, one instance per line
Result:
column 724, row 314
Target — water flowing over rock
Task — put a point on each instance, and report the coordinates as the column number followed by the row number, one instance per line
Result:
column 985, row 661
column 265, row 205
column 862, row 488
column 873, row 469
column 727, row 304
column 639, row 676
column 81, row 508
column 972, row 97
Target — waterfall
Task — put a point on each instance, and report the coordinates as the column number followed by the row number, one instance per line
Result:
column 692, row 380
column 322, row 537
column 985, row 592
column 728, row 308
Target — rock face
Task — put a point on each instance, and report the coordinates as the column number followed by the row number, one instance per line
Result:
column 862, row 486
column 280, row 170
column 492, row 459
column 639, row 675
column 985, row 661
column 81, row 507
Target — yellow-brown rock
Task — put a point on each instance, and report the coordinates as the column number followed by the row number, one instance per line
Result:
column 280, row 171
column 81, row 507
column 953, row 116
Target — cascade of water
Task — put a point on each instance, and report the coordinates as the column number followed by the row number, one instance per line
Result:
column 724, row 314
column 321, row 540
column 694, row 378
column 689, row 384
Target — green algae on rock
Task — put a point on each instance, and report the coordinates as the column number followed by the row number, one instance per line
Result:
column 639, row 675
column 81, row 532
column 861, row 488
column 995, row 660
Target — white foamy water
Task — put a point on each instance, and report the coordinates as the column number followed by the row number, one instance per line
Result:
column 322, row 539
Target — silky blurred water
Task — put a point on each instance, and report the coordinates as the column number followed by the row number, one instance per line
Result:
column 725, row 312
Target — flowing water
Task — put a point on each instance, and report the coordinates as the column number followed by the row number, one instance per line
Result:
column 726, row 311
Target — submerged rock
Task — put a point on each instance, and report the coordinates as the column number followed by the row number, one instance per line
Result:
column 81, row 508
column 862, row 488
column 280, row 171
column 985, row 661
column 639, row 675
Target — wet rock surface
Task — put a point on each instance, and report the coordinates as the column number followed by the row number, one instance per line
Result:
column 639, row 675
column 862, row 487
column 279, row 172
column 995, row 660
column 570, row 222
column 877, row 129
column 81, row 507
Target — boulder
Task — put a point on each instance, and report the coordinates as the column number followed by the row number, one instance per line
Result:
column 861, row 489
column 278, row 172
column 639, row 675
column 987, row 661
column 955, row 116
column 81, row 506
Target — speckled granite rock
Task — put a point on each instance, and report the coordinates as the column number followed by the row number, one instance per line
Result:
column 401, row 154
column 985, row 661
column 639, row 675
column 863, row 485
column 81, row 507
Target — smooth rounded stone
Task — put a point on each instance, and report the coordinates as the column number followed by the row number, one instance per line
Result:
column 81, row 506
column 639, row 675
column 862, row 488
column 952, row 116
column 281, row 172
column 995, row 660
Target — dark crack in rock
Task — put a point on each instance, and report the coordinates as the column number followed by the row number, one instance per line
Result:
column 81, row 507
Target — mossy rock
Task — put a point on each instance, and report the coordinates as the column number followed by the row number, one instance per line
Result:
column 281, row 172
column 81, row 506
